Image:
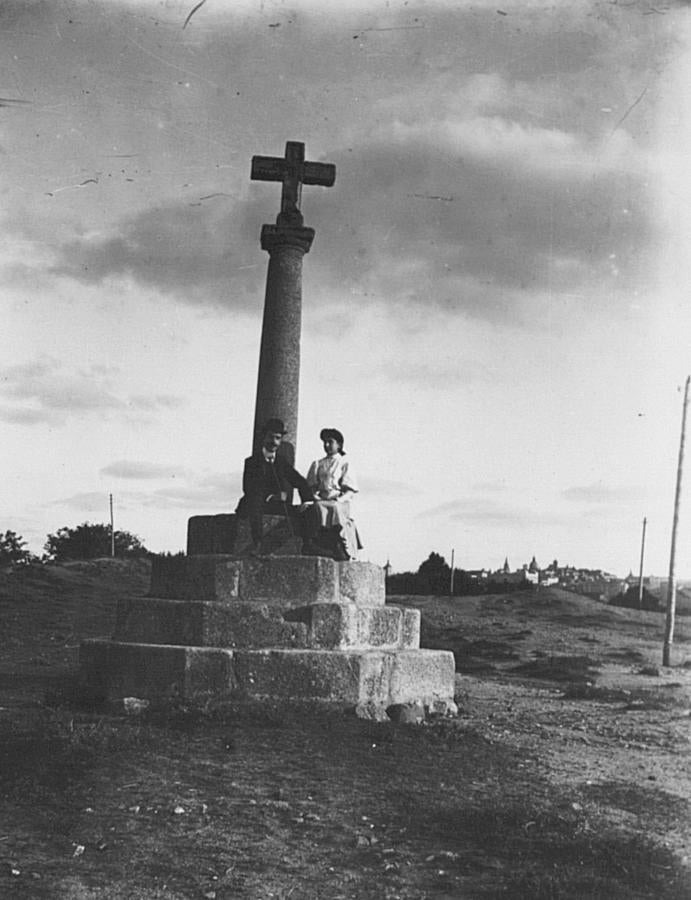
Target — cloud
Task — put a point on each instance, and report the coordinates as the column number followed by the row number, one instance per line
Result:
column 489, row 513
column 421, row 221
column 471, row 511
column 45, row 391
column 374, row 486
column 438, row 375
column 210, row 492
column 87, row 502
column 490, row 487
column 15, row 416
column 600, row 494
column 467, row 217
column 196, row 253
column 157, row 401
column 470, row 204
column 219, row 491
column 132, row 469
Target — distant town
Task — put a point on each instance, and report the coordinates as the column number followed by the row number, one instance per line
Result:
column 434, row 576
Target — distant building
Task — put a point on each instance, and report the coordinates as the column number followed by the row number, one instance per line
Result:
column 651, row 582
column 548, row 580
column 479, row 575
column 590, row 582
column 683, row 599
column 521, row 577
column 599, row 588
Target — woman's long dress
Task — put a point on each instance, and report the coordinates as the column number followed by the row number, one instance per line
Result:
column 332, row 479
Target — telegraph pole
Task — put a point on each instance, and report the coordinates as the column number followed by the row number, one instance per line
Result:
column 451, row 579
column 112, row 529
column 640, row 572
column 672, row 584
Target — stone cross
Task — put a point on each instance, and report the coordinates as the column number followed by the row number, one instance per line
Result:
column 286, row 243
column 293, row 171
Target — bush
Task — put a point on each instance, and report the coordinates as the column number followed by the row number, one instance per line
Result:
column 90, row 541
column 13, row 549
column 629, row 600
column 434, row 577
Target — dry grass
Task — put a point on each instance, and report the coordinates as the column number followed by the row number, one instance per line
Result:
column 221, row 801
column 308, row 805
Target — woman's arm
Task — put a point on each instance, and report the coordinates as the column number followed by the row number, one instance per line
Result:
column 313, row 478
column 347, row 482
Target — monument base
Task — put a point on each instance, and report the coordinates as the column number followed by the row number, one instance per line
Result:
column 361, row 679
column 229, row 533
column 288, row 628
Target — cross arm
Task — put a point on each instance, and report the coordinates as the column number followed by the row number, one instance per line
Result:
column 273, row 168
column 319, row 173
column 268, row 168
column 293, row 171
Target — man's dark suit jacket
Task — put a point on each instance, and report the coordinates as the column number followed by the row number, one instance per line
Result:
column 261, row 479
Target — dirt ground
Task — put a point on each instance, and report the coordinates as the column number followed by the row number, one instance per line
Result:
column 565, row 775
column 580, row 684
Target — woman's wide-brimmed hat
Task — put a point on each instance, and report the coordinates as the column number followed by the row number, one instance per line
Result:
column 326, row 433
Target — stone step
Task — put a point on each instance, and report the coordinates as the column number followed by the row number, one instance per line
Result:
column 229, row 534
column 341, row 626
column 328, row 626
column 380, row 677
column 369, row 680
column 110, row 670
column 208, row 624
column 283, row 580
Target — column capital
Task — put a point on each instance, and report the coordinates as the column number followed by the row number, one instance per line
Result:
column 274, row 237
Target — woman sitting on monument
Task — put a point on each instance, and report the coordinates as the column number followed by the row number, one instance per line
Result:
column 329, row 527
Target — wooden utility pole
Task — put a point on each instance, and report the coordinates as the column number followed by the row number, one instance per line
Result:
column 451, row 579
column 672, row 584
column 112, row 529
column 640, row 571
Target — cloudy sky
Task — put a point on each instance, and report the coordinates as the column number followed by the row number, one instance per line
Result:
column 495, row 307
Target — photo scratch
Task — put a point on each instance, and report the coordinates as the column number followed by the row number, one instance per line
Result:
column 431, row 197
column 630, row 109
column 198, row 6
column 167, row 62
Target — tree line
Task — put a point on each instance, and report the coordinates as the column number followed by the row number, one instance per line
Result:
column 85, row 541
column 434, row 577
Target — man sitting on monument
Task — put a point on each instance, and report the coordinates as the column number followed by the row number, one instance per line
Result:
column 268, row 480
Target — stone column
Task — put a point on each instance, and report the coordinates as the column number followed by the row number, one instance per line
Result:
column 278, row 381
